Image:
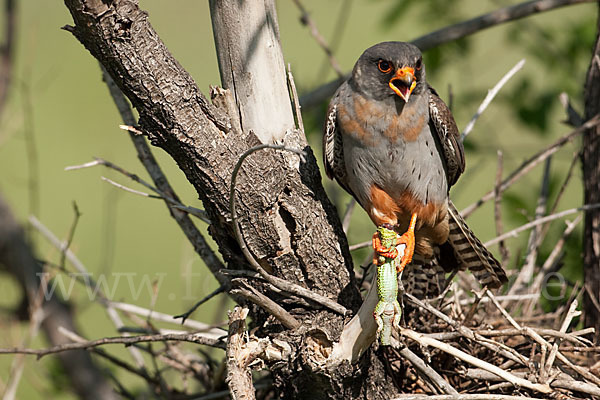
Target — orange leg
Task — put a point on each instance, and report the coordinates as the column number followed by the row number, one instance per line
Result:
column 408, row 239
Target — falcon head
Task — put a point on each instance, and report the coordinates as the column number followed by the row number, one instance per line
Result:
column 390, row 69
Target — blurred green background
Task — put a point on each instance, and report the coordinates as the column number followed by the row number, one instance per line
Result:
column 60, row 107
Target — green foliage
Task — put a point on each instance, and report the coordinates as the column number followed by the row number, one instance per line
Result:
column 438, row 58
column 397, row 12
column 530, row 107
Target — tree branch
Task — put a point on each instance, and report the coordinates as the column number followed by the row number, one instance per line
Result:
column 455, row 32
column 500, row 16
column 205, row 144
column 126, row 340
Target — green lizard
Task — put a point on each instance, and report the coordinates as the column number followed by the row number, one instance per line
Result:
column 387, row 311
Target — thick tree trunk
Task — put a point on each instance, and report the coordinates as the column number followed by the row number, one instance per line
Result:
column 287, row 222
column 591, row 181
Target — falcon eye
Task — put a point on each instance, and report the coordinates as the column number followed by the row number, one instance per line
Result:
column 384, row 66
column 419, row 64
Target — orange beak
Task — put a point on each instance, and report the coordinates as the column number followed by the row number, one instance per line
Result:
column 403, row 82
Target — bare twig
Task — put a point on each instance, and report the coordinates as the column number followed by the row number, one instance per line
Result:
column 530, row 163
column 509, row 377
column 207, row 330
column 542, row 342
column 563, row 381
column 427, row 371
column 573, row 117
column 314, row 31
column 490, row 96
column 556, row 251
column 141, row 372
column 340, row 25
column 574, row 161
column 573, row 337
column 128, row 189
column 126, row 340
column 539, row 221
column 297, row 106
column 201, row 214
column 162, row 184
column 500, row 16
column 70, row 236
column 462, row 396
column 189, row 312
column 275, row 281
column 535, row 236
column 112, row 314
column 360, row 245
column 572, row 313
column 468, row 333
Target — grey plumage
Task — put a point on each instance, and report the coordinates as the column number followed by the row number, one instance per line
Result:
column 383, row 135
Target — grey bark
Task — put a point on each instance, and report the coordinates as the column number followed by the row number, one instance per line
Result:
column 591, row 182
column 288, row 223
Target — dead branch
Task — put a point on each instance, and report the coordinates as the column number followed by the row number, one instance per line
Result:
column 509, row 377
column 126, row 340
column 239, row 376
column 539, row 221
column 490, row 96
column 530, row 163
column 427, row 371
column 455, row 32
column 465, row 397
column 200, row 214
column 500, row 16
column 535, row 236
column 314, row 31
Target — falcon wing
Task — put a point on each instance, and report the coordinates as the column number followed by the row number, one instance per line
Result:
column 445, row 132
column 333, row 148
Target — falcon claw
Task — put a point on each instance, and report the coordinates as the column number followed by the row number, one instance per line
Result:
column 407, row 239
column 382, row 251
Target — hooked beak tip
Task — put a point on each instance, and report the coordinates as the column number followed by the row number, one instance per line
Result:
column 403, row 82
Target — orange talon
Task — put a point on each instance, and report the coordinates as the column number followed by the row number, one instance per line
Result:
column 380, row 250
column 408, row 239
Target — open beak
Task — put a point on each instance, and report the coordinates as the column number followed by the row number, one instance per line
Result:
column 403, row 82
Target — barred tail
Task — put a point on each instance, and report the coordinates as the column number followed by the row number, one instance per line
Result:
column 471, row 253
